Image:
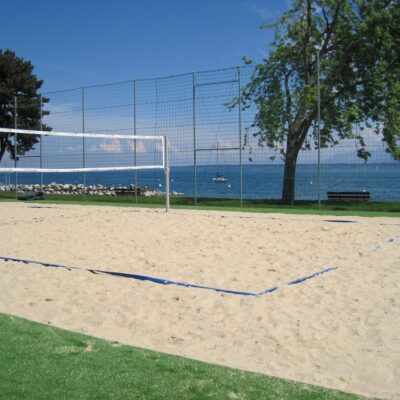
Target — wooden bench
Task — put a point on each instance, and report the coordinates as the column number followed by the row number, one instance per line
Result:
column 343, row 197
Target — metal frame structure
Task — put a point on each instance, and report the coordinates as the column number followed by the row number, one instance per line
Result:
column 195, row 86
column 195, row 109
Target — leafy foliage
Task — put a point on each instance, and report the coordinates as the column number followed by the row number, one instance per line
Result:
column 18, row 81
column 358, row 43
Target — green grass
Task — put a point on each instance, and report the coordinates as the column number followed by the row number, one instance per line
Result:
column 369, row 209
column 41, row 362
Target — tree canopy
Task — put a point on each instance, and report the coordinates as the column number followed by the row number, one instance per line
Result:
column 18, row 81
column 358, row 44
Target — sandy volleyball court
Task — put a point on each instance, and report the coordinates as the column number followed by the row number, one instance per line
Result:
column 339, row 329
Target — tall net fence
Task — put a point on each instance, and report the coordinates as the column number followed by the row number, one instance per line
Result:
column 212, row 150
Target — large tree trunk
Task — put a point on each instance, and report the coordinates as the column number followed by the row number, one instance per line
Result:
column 289, row 177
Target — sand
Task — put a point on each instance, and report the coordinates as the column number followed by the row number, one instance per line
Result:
column 339, row 329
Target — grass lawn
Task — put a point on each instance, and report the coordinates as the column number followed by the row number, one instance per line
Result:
column 41, row 362
column 370, row 209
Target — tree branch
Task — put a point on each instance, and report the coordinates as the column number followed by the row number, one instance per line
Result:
column 330, row 27
column 306, row 42
column 288, row 98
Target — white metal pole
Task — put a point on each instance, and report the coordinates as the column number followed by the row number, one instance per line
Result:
column 83, row 141
column 319, row 130
column 135, row 141
column 41, row 143
column 16, row 144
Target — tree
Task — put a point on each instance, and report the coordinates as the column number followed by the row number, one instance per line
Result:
column 17, row 80
column 358, row 42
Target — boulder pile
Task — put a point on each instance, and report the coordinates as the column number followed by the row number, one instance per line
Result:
column 91, row 190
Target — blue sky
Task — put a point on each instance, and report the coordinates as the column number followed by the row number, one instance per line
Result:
column 87, row 42
column 78, row 43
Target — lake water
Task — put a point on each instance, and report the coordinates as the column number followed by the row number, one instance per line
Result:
column 259, row 181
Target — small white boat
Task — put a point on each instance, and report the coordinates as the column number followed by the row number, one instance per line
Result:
column 219, row 179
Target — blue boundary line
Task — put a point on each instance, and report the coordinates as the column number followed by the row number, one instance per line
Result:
column 299, row 280
column 167, row 281
column 191, row 285
column 380, row 245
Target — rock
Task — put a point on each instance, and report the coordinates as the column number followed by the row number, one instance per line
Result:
column 73, row 189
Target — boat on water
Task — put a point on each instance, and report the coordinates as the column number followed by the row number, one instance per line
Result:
column 219, row 179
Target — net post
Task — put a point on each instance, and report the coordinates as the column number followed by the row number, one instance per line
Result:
column 16, row 144
column 41, row 143
column 166, row 171
column 83, row 141
column 134, row 143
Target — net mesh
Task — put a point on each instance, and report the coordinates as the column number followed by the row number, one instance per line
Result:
column 60, row 152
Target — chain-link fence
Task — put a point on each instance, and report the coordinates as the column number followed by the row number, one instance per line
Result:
column 213, row 153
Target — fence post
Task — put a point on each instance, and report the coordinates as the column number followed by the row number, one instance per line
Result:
column 194, row 139
column 167, row 174
column 16, row 144
column 41, row 143
column 134, row 142
column 240, row 137
column 83, row 141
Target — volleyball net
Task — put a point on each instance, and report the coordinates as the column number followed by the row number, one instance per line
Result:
column 85, row 154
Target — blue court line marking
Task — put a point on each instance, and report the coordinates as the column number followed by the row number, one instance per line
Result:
column 190, row 285
column 139, row 277
column 380, row 245
column 299, row 280
column 167, row 281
